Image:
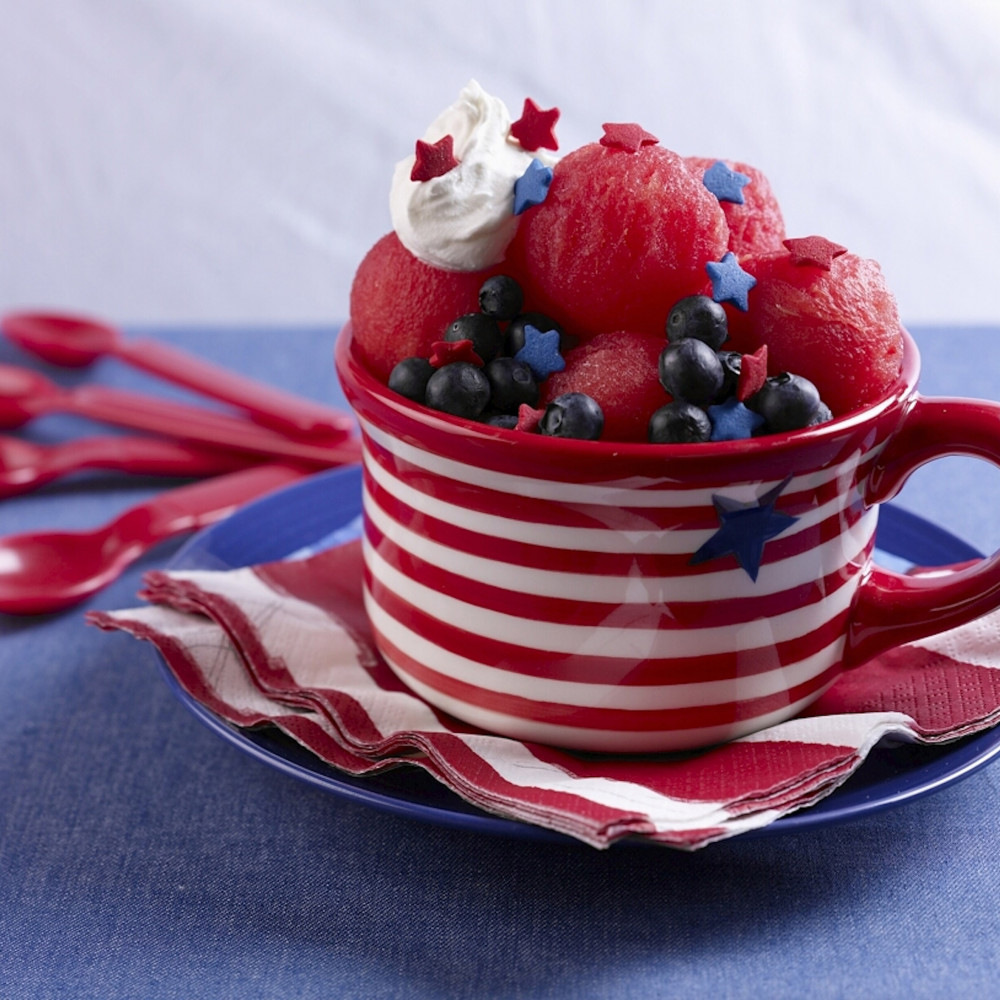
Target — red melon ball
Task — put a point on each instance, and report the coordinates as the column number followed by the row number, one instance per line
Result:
column 621, row 371
column 838, row 328
column 756, row 226
column 400, row 305
column 619, row 239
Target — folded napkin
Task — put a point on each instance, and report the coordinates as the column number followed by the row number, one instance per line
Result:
column 288, row 644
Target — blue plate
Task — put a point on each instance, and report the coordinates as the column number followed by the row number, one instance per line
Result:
column 326, row 508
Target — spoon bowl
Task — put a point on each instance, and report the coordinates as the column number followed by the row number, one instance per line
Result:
column 75, row 566
column 64, row 340
column 47, row 571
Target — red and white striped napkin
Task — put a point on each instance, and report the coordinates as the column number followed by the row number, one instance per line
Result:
column 288, row 644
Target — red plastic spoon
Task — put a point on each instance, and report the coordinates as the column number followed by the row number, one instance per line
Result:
column 25, row 394
column 48, row 571
column 25, row 465
column 75, row 341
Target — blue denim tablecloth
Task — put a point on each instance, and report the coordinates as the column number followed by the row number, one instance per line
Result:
column 143, row 857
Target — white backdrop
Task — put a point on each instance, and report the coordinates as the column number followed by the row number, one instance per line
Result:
column 229, row 160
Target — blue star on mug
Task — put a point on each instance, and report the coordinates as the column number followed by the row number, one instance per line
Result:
column 744, row 528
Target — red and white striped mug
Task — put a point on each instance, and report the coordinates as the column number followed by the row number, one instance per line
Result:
column 627, row 597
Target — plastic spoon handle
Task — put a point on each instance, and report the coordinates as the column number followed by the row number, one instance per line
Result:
column 198, row 505
column 48, row 571
column 267, row 405
column 75, row 341
column 188, row 423
column 26, row 465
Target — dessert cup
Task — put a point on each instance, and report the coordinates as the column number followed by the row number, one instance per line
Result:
column 638, row 598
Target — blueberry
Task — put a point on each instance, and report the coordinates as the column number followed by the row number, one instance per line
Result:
column 786, row 402
column 460, row 389
column 501, row 297
column 409, row 378
column 514, row 338
column 573, row 415
column 679, row 423
column 483, row 331
column 700, row 317
column 506, row 420
column 822, row 415
column 511, row 384
column 691, row 370
column 732, row 363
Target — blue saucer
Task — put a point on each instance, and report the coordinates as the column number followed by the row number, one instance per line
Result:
column 326, row 508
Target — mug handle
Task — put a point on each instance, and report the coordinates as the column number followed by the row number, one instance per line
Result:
column 892, row 608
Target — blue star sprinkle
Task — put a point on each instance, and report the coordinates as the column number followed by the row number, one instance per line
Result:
column 724, row 183
column 532, row 187
column 744, row 528
column 541, row 352
column 730, row 283
column 732, row 421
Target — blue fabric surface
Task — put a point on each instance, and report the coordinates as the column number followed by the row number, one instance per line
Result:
column 140, row 856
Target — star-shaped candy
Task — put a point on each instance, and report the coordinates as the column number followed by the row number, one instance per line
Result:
column 541, row 352
column 433, row 159
column 744, row 528
column 535, row 129
column 753, row 372
column 725, row 183
column 813, row 251
column 446, row 352
column 528, row 418
column 732, row 421
column 532, row 187
column 730, row 283
column 627, row 136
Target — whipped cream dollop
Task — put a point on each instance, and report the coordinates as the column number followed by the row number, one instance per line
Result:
column 464, row 219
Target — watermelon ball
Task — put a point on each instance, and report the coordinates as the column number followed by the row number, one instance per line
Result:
column 573, row 415
column 400, row 305
column 618, row 370
column 679, row 423
column 838, row 328
column 460, row 389
column 483, row 331
column 701, row 317
column 756, row 226
column 690, row 370
column 410, row 376
column 501, row 297
column 619, row 239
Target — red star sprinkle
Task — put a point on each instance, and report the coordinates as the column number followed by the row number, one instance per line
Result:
column 813, row 251
column 445, row 352
column 753, row 372
column 433, row 159
column 535, row 129
column 627, row 136
column 528, row 418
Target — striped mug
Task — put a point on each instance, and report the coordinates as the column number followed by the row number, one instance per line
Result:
column 630, row 597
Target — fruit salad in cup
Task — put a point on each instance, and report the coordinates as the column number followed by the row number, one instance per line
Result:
column 622, row 292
